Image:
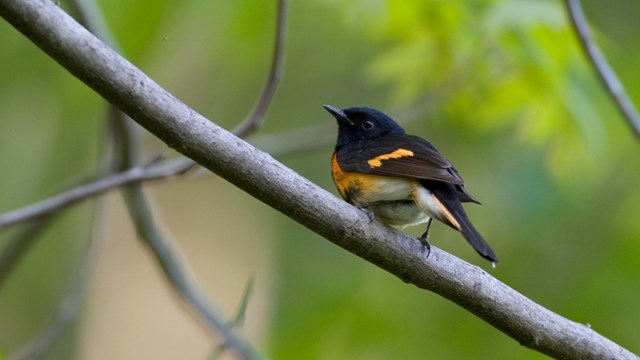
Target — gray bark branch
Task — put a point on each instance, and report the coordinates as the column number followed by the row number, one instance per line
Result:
column 263, row 177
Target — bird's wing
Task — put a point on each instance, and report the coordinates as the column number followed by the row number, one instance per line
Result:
column 398, row 155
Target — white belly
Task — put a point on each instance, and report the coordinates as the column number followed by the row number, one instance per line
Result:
column 392, row 200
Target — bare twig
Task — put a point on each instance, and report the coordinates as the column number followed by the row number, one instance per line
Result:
column 169, row 260
column 73, row 195
column 275, row 144
column 255, row 119
column 67, row 310
column 16, row 247
column 156, row 170
column 602, row 68
column 241, row 313
column 167, row 255
column 289, row 141
column 177, row 274
column 237, row 320
column 263, row 177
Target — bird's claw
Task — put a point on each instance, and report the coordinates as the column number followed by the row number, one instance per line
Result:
column 365, row 209
column 424, row 239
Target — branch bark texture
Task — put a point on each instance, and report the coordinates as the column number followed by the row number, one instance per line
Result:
column 263, row 177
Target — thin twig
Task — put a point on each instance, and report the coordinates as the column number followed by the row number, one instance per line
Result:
column 602, row 68
column 66, row 312
column 255, row 119
column 158, row 170
column 168, row 257
column 73, row 195
column 241, row 313
column 71, row 302
column 176, row 272
column 238, row 319
column 89, row 11
column 169, row 260
column 295, row 140
column 288, row 141
column 166, row 254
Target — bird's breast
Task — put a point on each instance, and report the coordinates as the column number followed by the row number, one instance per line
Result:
column 390, row 198
column 359, row 188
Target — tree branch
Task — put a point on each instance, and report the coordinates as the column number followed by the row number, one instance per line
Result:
column 255, row 119
column 18, row 245
column 177, row 274
column 126, row 155
column 602, row 68
column 67, row 310
column 67, row 198
column 290, row 141
column 268, row 180
column 90, row 15
column 167, row 255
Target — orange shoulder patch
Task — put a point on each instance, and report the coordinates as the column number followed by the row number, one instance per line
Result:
column 338, row 176
column 377, row 161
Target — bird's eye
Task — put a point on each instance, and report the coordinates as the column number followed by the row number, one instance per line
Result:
column 367, row 124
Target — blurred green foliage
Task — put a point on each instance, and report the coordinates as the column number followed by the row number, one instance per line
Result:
column 517, row 110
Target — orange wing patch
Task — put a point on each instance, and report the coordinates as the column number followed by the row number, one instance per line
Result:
column 377, row 161
column 355, row 187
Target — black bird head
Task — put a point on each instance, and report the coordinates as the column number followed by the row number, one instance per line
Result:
column 360, row 123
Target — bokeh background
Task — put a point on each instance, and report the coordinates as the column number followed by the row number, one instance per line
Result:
column 499, row 86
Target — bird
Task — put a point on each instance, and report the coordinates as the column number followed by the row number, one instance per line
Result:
column 399, row 179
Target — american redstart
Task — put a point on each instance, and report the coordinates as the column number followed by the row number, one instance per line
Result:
column 402, row 179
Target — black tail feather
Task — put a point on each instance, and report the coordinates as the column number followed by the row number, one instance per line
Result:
column 448, row 196
column 473, row 237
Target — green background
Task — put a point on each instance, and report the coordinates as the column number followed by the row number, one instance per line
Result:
column 500, row 87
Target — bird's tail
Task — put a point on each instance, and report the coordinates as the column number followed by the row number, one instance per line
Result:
column 452, row 214
column 473, row 236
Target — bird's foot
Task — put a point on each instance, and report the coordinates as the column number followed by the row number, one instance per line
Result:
column 365, row 208
column 424, row 239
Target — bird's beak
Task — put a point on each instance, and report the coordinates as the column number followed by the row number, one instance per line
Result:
column 338, row 114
